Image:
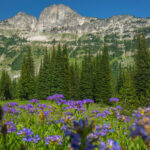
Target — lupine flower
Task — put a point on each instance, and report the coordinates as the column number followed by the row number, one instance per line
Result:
column 54, row 139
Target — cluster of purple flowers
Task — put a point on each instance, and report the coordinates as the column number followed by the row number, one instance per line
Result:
column 79, row 136
column 141, row 127
column 11, row 127
column 42, row 106
column 34, row 101
column 114, row 100
column 28, row 135
column 55, row 97
column 11, row 104
column 53, row 140
column 110, row 145
column 104, row 129
column 103, row 114
column 10, row 110
column 78, row 105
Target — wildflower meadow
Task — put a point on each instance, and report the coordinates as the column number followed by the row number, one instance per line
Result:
column 59, row 124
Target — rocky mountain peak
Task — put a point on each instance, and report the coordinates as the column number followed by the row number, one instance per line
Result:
column 57, row 15
column 22, row 21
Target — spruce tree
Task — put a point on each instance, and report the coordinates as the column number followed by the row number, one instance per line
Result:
column 53, row 73
column 127, row 92
column 5, row 86
column 86, row 78
column 120, row 79
column 65, row 73
column 26, row 81
column 59, row 71
column 72, row 82
column 97, row 79
column 77, row 80
column 106, row 89
column 14, row 89
column 142, row 68
column 43, row 78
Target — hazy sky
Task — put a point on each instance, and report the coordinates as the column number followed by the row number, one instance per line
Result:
column 92, row 8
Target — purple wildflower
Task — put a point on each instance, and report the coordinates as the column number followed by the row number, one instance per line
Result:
column 34, row 101
column 114, row 100
column 11, row 104
column 54, row 139
column 55, row 97
column 42, row 106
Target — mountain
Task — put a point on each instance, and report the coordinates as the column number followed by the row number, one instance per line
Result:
column 59, row 23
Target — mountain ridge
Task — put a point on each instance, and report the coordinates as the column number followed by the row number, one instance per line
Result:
column 61, row 24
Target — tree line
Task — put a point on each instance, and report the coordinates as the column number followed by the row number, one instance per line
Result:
column 91, row 79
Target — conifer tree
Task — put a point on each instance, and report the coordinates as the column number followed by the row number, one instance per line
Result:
column 97, row 79
column 53, row 73
column 14, row 89
column 120, row 78
column 5, row 86
column 72, row 82
column 77, row 80
column 43, row 78
column 59, row 71
column 142, row 68
column 86, row 78
column 65, row 73
column 26, row 82
column 106, row 89
column 127, row 92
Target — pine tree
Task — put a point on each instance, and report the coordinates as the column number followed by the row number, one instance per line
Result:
column 43, row 78
column 5, row 86
column 106, row 89
column 142, row 68
column 26, row 82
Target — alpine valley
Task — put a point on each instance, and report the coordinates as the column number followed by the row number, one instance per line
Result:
column 61, row 24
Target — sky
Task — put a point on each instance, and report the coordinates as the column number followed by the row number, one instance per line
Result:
column 90, row 8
